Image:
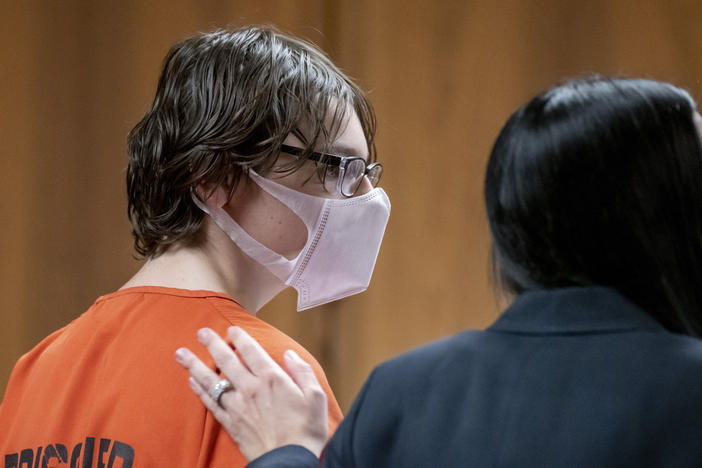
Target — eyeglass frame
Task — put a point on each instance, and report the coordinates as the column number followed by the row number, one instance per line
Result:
column 336, row 161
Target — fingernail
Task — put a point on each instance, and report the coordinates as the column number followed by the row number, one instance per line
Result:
column 202, row 335
column 181, row 354
column 234, row 332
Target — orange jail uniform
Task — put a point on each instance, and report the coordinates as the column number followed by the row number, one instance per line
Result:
column 106, row 391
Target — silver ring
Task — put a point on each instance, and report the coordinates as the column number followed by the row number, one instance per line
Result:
column 223, row 385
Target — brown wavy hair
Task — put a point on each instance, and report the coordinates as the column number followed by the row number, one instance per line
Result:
column 225, row 102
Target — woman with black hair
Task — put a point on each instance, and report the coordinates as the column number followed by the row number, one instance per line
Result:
column 594, row 198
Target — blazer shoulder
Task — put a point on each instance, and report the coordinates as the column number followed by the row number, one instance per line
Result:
column 680, row 351
column 422, row 361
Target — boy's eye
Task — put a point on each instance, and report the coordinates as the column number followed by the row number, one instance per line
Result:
column 333, row 171
column 329, row 176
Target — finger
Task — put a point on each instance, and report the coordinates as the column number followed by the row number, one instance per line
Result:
column 253, row 355
column 202, row 374
column 303, row 375
column 217, row 410
column 301, row 372
column 202, row 380
column 225, row 358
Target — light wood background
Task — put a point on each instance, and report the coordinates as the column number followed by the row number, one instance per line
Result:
column 444, row 75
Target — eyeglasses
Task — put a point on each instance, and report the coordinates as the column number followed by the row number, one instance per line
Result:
column 347, row 171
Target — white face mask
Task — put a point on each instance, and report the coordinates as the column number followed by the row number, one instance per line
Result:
column 343, row 240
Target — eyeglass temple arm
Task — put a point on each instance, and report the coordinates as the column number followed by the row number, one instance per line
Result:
column 327, row 158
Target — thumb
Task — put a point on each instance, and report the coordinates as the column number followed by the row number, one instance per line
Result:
column 301, row 373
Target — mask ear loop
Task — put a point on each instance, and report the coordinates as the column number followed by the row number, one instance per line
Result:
column 280, row 266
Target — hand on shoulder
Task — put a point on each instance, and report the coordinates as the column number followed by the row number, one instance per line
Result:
column 259, row 404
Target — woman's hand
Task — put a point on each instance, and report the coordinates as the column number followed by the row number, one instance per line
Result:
column 265, row 408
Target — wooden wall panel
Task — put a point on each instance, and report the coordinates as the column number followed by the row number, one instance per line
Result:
column 15, row 153
column 444, row 76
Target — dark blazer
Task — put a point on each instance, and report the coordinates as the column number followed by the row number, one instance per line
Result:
column 576, row 377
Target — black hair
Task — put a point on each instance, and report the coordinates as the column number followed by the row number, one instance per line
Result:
column 599, row 182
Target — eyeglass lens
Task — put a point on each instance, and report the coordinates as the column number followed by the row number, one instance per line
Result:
column 353, row 176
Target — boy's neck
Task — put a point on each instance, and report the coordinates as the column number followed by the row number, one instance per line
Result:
column 216, row 264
